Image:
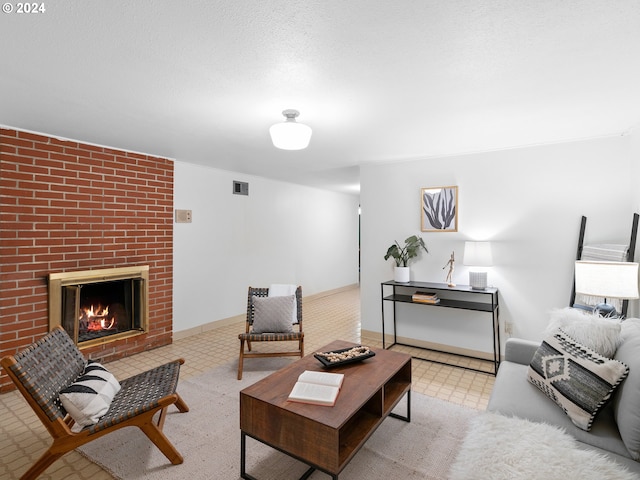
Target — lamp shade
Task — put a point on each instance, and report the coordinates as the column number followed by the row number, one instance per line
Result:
column 477, row 254
column 290, row 135
column 607, row 279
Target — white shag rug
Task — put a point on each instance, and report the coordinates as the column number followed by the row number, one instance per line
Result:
column 502, row 448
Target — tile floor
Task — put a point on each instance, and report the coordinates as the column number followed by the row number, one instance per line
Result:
column 23, row 438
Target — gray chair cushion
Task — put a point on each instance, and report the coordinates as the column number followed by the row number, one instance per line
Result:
column 273, row 314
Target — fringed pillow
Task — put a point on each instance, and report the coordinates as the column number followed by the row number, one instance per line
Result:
column 90, row 396
column 578, row 379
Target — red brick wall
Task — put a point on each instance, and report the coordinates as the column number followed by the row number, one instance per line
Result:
column 68, row 206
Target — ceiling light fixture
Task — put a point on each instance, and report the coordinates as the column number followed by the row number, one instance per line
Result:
column 290, row 135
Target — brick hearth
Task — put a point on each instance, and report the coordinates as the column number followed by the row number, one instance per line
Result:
column 68, row 206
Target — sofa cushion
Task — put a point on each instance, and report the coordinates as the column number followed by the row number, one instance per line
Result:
column 576, row 378
column 598, row 333
column 90, row 396
column 513, row 395
column 626, row 402
column 273, row 314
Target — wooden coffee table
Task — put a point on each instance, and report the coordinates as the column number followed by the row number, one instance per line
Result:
column 325, row 438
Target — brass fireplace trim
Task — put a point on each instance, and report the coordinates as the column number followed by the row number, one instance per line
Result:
column 64, row 279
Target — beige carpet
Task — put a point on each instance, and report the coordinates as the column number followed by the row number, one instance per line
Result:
column 209, row 439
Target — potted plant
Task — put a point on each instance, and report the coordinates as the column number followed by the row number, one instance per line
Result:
column 402, row 255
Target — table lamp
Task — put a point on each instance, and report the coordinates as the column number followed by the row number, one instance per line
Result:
column 607, row 280
column 477, row 255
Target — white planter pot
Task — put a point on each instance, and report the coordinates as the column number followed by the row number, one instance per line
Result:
column 401, row 274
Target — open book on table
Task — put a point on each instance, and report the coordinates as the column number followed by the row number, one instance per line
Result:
column 318, row 388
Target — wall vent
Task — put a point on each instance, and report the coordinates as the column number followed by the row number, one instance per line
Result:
column 240, row 188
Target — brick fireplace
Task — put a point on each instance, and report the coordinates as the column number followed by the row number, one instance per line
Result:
column 67, row 206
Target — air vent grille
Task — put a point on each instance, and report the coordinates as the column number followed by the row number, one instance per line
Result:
column 240, row 188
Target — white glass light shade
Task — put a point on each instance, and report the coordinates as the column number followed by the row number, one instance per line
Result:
column 477, row 254
column 607, row 279
column 290, row 135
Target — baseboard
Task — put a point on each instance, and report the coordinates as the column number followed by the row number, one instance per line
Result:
column 236, row 320
column 240, row 319
column 373, row 336
column 326, row 293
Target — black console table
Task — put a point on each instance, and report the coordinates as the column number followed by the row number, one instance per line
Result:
column 467, row 298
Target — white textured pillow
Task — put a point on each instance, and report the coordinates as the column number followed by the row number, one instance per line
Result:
column 598, row 333
column 90, row 396
column 273, row 314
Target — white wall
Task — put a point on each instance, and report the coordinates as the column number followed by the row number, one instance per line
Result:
column 528, row 202
column 280, row 233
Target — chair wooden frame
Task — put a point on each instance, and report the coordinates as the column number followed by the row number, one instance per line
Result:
column 296, row 336
column 52, row 363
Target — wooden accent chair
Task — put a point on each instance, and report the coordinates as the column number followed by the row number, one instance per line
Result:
column 295, row 336
column 54, row 362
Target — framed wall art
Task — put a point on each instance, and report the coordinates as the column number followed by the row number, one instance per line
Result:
column 439, row 209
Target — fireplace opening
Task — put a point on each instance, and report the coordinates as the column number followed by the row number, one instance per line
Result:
column 104, row 308
column 97, row 306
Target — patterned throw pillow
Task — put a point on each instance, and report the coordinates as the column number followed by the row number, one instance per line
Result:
column 273, row 314
column 90, row 396
column 577, row 379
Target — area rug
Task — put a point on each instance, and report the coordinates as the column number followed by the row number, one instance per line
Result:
column 503, row 448
column 208, row 437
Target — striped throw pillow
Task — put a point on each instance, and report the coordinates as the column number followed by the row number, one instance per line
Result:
column 90, row 396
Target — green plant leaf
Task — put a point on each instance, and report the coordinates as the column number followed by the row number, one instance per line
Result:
column 411, row 249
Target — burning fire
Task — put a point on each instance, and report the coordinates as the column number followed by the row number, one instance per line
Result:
column 97, row 319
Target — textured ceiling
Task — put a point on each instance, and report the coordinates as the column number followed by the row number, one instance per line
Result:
column 201, row 81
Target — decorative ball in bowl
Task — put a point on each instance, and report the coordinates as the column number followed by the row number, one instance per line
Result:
column 344, row 356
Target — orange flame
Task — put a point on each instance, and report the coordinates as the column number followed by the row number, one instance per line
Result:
column 97, row 319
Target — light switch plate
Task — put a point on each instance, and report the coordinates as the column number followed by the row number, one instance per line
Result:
column 183, row 216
